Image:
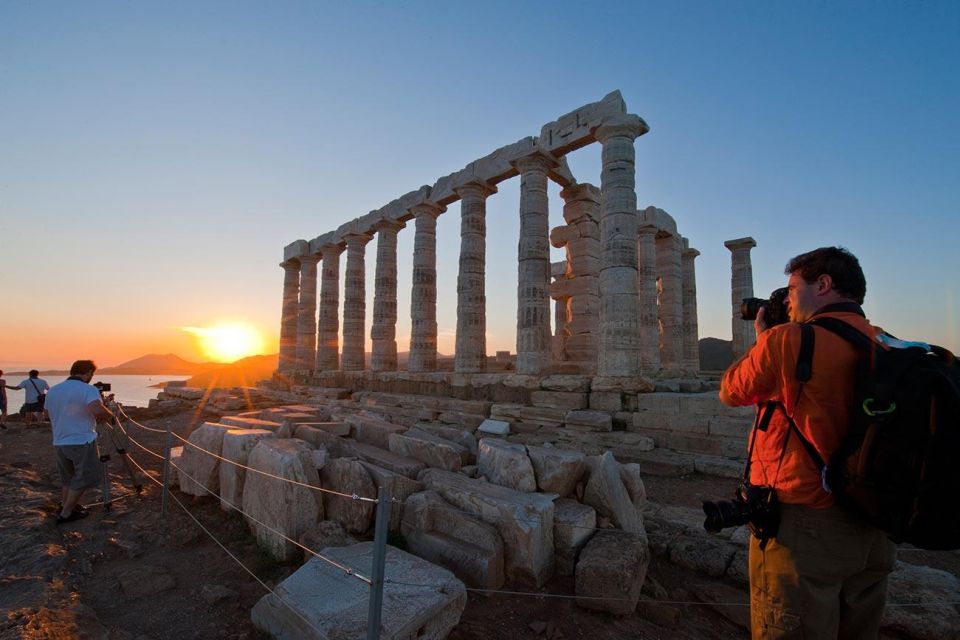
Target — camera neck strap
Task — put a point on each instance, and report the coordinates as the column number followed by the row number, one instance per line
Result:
column 35, row 387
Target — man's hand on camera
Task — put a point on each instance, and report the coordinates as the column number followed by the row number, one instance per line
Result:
column 759, row 324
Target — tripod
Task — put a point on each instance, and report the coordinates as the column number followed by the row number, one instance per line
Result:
column 119, row 442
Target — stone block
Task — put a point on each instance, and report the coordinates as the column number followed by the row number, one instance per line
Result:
column 573, row 525
column 630, row 475
column 524, row 521
column 436, row 531
column 351, row 478
column 494, row 427
column 199, row 471
column 320, row 601
column 567, row 383
column 505, row 412
column 923, row 590
column 382, row 458
column 704, row 404
column 432, row 454
column 373, row 430
column 606, row 492
column 559, row 399
column 238, row 422
column 729, row 427
column 660, row 402
column 453, row 434
column 611, row 571
column 237, row 445
column 333, row 428
column 589, row 420
column 506, row 464
column 557, row 470
column 399, row 488
column 318, row 438
column 611, row 401
column 275, row 508
column 466, row 457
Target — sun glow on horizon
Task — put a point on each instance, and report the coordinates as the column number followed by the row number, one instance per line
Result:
column 228, row 341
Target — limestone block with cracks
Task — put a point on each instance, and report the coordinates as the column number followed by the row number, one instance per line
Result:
column 237, row 445
column 351, row 478
column 557, row 470
column 506, row 464
column 611, row 571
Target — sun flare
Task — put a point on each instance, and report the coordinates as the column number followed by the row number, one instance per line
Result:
column 229, row 341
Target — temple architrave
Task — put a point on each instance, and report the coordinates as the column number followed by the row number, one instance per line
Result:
column 625, row 298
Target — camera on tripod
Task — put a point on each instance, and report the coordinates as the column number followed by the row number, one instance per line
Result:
column 776, row 309
column 102, row 387
column 752, row 505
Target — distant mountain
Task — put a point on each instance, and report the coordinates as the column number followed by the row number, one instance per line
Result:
column 715, row 354
column 242, row 373
column 155, row 364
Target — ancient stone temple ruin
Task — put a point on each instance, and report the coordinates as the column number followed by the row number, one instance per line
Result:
column 625, row 297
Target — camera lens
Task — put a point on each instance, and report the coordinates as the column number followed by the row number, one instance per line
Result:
column 723, row 514
column 750, row 307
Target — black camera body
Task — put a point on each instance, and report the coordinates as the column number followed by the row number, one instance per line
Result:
column 102, row 386
column 752, row 505
column 775, row 309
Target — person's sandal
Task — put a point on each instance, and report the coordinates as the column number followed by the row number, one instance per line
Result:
column 75, row 515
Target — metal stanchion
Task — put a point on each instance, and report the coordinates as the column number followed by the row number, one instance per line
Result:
column 379, row 563
column 166, row 475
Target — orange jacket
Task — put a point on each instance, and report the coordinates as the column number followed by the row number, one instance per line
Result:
column 821, row 409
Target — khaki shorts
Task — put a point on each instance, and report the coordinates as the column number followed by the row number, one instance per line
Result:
column 79, row 465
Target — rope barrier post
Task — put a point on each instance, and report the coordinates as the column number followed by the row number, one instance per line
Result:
column 166, row 474
column 379, row 563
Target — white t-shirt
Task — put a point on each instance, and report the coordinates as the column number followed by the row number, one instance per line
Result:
column 32, row 393
column 67, row 405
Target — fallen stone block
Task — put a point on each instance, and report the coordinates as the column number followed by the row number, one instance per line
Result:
column 399, row 488
column 453, row 434
column 238, row 422
column 630, row 475
column 494, row 428
column 372, row 430
column 589, row 420
column 524, row 520
column 436, row 531
column 237, row 445
column 557, row 470
column 274, row 507
column 318, row 438
column 606, row 493
column 348, row 477
column 326, row 533
column 611, row 571
column 334, row 428
column 466, row 457
column 328, row 603
column 382, row 458
column 573, row 525
column 437, row 455
column 506, row 464
column 199, row 471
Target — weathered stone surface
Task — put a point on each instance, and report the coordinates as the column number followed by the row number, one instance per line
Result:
column 399, row 488
column 373, row 430
column 557, row 470
column 326, row 533
column 351, row 478
column 494, row 428
column 524, row 520
column 559, row 399
column 590, row 420
column 239, row 422
column 237, row 445
column 506, row 464
column 318, row 438
column 328, row 603
column 917, row 598
column 199, row 471
column 630, row 475
column 606, row 493
column 453, row 434
column 611, row 571
column 440, row 456
column 568, row 383
column 573, row 526
column 464, row 451
column 334, row 428
column 382, row 458
column 436, row 531
column 286, row 508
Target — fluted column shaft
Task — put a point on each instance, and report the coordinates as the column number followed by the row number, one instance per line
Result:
column 647, row 296
column 288, row 315
column 471, row 355
column 671, row 303
column 307, row 313
column 741, row 286
column 691, row 338
column 533, row 266
column 383, row 333
column 328, row 325
column 423, row 297
column 619, row 347
column 354, row 303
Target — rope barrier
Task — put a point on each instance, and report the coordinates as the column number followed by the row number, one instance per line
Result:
column 142, row 426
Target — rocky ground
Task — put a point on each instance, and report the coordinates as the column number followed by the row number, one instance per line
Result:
column 132, row 574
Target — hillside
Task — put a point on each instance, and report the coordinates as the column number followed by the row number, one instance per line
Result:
column 156, row 364
column 242, row 373
column 715, row 354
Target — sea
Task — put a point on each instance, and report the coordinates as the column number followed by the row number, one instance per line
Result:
column 132, row 391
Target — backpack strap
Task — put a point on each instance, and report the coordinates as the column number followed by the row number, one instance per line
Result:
column 804, row 372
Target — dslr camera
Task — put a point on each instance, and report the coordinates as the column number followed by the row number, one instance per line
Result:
column 775, row 309
column 102, row 387
column 752, row 505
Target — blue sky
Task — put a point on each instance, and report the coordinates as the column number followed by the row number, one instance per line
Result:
column 156, row 157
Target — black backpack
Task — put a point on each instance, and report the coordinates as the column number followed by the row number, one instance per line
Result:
column 899, row 465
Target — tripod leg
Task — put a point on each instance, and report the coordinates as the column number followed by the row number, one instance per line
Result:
column 122, row 452
column 105, row 464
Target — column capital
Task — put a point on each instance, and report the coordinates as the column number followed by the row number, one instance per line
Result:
column 312, row 258
column 539, row 160
column 389, row 225
column 357, row 238
column 690, row 253
column 740, row 243
column 293, row 264
column 427, row 208
column 626, row 125
column 479, row 189
column 647, row 230
column 331, row 250
column 581, row 192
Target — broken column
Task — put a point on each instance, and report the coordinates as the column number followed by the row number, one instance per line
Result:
column 619, row 331
column 354, row 303
column 691, row 345
column 383, row 333
column 423, row 298
column 307, row 313
column 670, row 303
column 741, row 286
column 471, row 344
column 288, row 315
column 647, row 296
column 328, row 325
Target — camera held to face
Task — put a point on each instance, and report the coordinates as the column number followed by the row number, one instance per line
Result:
column 776, row 309
column 755, row 506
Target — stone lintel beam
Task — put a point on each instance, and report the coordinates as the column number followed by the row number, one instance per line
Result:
column 575, row 129
column 491, row 169
column 399, row 209
column 561, row 173
column 317, row 244
column 296, row 249
column 658, row 218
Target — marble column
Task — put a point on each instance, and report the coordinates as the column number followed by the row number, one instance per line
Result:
column 619, row 346
column 741, row 286
column 647, row 297
column 423, row 297
column 288, row 315
column 533, row 266
column 691, row 337
column 328, row 326
column 581, row 211
column 471, row 355
column 383, row 333
column 670, row 303
column 354, row 303
column 307, row 314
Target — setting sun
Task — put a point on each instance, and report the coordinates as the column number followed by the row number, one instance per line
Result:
column 228, row 342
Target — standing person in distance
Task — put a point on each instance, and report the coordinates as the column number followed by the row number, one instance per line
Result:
column 824, row 574
column 3, row 401
column 75, row 406
column 33, row 388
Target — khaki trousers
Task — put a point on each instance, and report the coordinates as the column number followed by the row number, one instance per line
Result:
column 823, row 576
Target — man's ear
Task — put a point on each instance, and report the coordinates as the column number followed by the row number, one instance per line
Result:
column 824, row 283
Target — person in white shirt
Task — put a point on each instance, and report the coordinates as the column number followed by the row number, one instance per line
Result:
column 33, row 404
column 75, row 406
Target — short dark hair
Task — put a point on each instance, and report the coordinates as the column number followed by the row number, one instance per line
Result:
column 33, row 373
column 82, row 367
column 838, row 263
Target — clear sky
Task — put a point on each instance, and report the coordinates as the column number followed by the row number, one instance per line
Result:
column 156, row 157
